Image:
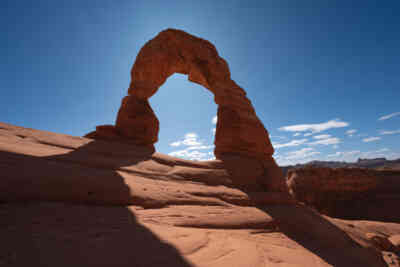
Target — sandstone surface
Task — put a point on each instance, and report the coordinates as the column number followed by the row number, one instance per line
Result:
column 73, row 201
column 351, row 193
column 240, row 135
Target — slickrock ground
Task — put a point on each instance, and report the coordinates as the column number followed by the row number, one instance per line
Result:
column 72, row 201
column 349, row 193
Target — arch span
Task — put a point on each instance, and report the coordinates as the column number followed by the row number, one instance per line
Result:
column 239, row 131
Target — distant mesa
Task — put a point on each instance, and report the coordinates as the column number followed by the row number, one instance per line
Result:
column 348, row 193
column 239, row 133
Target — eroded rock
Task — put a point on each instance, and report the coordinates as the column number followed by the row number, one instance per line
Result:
column 239, row 132
column 350, row 193
column 74, row 201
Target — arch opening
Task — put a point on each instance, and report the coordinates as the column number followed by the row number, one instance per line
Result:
column 185, row 111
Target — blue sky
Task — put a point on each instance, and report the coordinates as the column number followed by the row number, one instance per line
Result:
column 323, row 76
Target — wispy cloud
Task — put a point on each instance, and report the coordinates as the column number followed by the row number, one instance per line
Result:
column 200, row 147
column 297, row 134
column 386, row 117
column 191, row 155
column 389, row 132
column 315, row 128
column 302, row 153
column 177, row 143
column 345, row 153
column 278, row 136
column 214, row 121
column 351, row 132
column 355, row 154
column 194, row 149
column 291, row 143
column 190, row 139
column 297, row 156
column 326, row 141
column 371, row 139
column 383, row 152
column 322, row 136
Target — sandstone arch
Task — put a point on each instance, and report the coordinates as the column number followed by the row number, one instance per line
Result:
column 239, row 131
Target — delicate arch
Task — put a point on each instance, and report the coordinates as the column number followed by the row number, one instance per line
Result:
column 241, row 141
column 239, row 131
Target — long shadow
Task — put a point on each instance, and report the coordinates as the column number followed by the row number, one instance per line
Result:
column 63, row 230
column 321, row 237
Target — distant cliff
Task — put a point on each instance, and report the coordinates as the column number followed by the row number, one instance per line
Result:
column 377, row 163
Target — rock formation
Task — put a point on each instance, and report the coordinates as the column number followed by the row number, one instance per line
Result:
column 351, row 193
column 240, row 135
column 74, row 201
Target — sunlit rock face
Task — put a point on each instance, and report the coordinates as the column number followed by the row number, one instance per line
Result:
column 239, row 133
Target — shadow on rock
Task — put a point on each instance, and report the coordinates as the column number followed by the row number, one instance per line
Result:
column 58, row 234
column 64, row 232
column 321, row 237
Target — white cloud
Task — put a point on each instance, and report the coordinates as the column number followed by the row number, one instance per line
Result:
column 214, row 120
column 177, row 143
column 390, row 132
column 326, row 141
column 308, row 134
column 199, row 147
column 193, row 148
column 315, row 128
column 190, row 154
column 386, row 117
column 322, row 136
column 291, row 143
column 213, row 130
column 383, row 152
column 351, row 132
column 278, row 136
column 302, row 153
column 190, row 139
column 371, row 139
column 345, row 153
column 297, row 134
column 298, row 156
column 351, row 156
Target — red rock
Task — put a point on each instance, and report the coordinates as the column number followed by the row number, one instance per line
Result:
column 136, row 120
column 239, row 131
column 350, row 193
column 381, row 242
column 395, row 240
column 74, row 201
